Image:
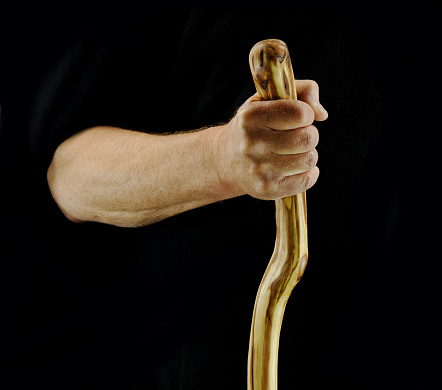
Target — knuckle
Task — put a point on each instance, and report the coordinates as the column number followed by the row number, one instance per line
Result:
column 313, row 85
column 308, row 179
column 245, row 117
column 242, row 118
column 311, row 137
column 262, row 184
column 308, row 139
column 246, row 143
column 287, row 187
column 310, row 86
column 255, row 170
column 301, row 112
column 263, row 189
column 249, row 141
column 305, row 114
column 312, row 159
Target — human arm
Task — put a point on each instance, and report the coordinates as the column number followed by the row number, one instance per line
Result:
column 128, row 178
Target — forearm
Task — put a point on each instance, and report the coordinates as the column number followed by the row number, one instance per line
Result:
column 129, row 178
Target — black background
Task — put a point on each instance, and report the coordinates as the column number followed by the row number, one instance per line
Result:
column 364, row 314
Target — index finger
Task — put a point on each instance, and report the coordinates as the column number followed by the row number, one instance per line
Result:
column 282, row 114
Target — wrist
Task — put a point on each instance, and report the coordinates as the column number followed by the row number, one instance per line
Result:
column 218, row 152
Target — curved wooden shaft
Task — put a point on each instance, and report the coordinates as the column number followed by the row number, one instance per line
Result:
column 273, row 76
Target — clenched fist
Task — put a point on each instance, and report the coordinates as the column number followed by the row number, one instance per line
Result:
column 268, row 150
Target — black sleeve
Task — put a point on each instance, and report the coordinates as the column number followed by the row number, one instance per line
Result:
column 61, row 103
column 118, row 72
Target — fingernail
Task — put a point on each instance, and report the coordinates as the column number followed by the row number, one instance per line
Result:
column 320, row 108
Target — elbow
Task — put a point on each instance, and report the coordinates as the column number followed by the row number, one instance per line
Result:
column 61, row 189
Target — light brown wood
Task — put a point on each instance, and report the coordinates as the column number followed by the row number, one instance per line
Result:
column 273, row 76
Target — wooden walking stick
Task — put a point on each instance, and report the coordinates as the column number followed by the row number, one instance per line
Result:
column 273, row 76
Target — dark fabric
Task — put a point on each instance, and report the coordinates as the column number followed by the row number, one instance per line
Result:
column 168, row 306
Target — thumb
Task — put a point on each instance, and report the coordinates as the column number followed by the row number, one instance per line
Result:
column 308, row 92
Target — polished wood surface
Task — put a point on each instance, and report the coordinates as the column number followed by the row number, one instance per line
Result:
column 273, row 76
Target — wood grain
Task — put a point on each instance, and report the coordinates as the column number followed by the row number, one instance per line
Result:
column 273, row 76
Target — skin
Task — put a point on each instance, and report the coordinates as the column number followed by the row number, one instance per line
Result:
column 128, row 178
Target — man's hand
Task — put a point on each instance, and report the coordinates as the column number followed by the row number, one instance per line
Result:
column 268, row 149
column 128, row 178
